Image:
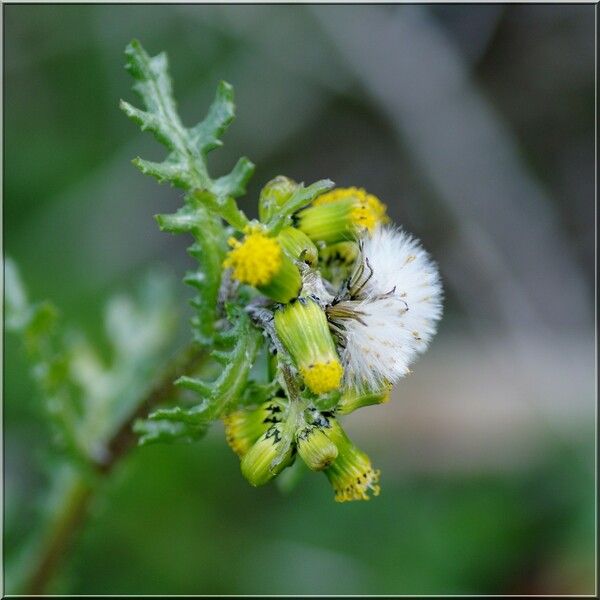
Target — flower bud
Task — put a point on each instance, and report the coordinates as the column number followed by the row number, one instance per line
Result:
column 298, row 245
column 351, row 473
column 341, row 214
column 259, row 260
column 244, row 427
column 354, row 398
column 269, row 455
column 315, row 448
column 275, row 193
column 302, row 328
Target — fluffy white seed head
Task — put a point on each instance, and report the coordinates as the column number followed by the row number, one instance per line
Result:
column 392, row 313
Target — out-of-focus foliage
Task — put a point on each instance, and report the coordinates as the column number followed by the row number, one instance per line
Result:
column 78, row 221
column 86, row 395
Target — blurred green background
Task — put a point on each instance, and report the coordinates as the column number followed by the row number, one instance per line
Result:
column 475, row 124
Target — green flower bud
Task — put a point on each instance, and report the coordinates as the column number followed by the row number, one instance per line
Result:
column 302, row 328
column 271, row 453
column 298, row 245
column 275, row 193
column 244, row 427
column 340, row 215
column 315, row 448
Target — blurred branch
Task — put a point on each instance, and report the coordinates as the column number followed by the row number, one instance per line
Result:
column 124, row 438
column 60, row 534
column 76, row 498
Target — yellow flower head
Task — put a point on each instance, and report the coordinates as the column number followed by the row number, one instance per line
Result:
column 341, row 215
column 303, row 329
column 322, row 377
column 243, row 427
column 351, row 473
column 256, row 259
column 367, row 210
column 260, row 261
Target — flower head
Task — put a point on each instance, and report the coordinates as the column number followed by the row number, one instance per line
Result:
column 351, row 473
column 303, row 330
column 243, row 427
column 341, row 214
column 389, row 310
column 259, row 260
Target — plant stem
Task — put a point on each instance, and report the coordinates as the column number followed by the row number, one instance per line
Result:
column 76, row 499
column 61, row 531
column 124, row 438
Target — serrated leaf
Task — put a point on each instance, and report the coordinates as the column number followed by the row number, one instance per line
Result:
column 168, row 170
column 234, row 184
column 185, row 165
column 207, row 201
column 187, row 218
column 162, row 431
column 220, row 395
column 201, row 388
column 220, row 114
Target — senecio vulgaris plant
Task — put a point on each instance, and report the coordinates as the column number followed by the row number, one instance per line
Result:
column 337, row 301
column 309, row 313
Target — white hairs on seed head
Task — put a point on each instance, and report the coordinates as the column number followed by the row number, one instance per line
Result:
column 397, row 304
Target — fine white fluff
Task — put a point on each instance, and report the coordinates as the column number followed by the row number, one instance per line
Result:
column 397, row 327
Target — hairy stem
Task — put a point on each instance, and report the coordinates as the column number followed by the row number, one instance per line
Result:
column 76, row 497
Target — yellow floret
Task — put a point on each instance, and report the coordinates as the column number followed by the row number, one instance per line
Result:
column 234, row 423
column 351, row 473
column 322, row 377
column 256, row 259
column 357, row 485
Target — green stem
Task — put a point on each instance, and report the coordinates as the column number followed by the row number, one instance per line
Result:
column 60, row 534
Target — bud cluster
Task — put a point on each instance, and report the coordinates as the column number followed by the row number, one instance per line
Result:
column 349, row 302
column 344, row 300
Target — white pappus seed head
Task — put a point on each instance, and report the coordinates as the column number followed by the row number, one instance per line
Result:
column 389, row 312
